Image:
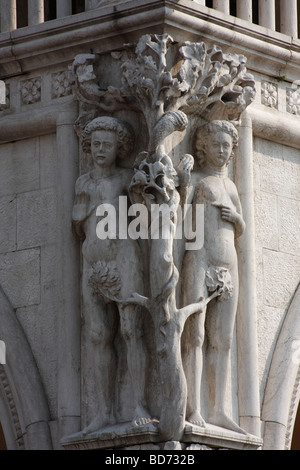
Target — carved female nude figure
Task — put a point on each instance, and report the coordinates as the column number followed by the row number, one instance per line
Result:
column 203, row 269
column 109, row 265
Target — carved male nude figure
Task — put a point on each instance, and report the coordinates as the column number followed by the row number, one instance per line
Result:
column 110, row 264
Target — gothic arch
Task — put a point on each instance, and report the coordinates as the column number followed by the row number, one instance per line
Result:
column 24, row 410
column 282, row 392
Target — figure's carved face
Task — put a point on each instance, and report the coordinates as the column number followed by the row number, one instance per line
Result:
column 104, row 148
column 218, row 149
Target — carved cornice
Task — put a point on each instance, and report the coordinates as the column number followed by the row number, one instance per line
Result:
column 58, row 41
column 268, row 124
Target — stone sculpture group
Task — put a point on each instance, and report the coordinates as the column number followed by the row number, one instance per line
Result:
column 134, row 289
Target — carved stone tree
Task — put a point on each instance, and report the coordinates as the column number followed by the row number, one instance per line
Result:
column 170, row 84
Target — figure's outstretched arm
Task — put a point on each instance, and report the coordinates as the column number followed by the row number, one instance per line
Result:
column 183, row 169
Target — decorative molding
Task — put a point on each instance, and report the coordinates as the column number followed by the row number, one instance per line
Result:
column 274, row 125
column 23, row 50
column 293, row 412
column 293, row 101
column 61, row 84
column 269, row 94
column 31, row 90
column 12, row 408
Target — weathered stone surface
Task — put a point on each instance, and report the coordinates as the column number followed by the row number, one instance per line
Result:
column 281, row 277
column 289, row 225
column 266, row 209
column 269, row 321
column 193, row 447
column 48, row 161
column 173, row 445
column 19, row 167
column 8, row 221
column 279, row 169
column 20, row 276
column 36, row 218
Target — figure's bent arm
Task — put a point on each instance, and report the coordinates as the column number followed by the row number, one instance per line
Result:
column 80, row 213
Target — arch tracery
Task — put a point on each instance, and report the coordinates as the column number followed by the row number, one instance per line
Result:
column 282, row 393
column 22, row 396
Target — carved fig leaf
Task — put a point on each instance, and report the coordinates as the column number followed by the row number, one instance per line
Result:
column 88, row 93
column 85, row 77
column 105, row 279
column 219, row 279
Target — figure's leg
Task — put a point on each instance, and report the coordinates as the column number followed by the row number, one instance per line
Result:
column 131, row 329
column 220, row 329
column 130, row 267
column 100, row 326
column 192, row 357
column 193, row 288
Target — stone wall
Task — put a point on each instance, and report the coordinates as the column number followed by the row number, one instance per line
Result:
column 277, row 213
column 29, row 260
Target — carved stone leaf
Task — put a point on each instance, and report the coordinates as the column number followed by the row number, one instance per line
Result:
column 219, row 278
column 85, row 77
column 105, row 279
column 146, row 42
column 209, row 78
column 194, row 59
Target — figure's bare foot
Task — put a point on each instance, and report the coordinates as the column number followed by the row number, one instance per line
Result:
column 222, row 420
column 141, row 416
column 98, row 423
column 196, row 418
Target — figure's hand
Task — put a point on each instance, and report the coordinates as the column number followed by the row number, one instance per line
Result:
column 227, row 213
column 231, row 215
column 184, row 168
column 80, row 207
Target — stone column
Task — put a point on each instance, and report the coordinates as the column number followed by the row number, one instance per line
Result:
column 35, row 12
column 63, row 8
column 8, row 15
column 244, row 9
column 248, row 385
column 222, row 5
column 289, row 18
column 266, row 14
column 68, row 277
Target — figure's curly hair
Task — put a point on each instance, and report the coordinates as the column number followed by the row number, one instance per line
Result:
column 202, row 135
column 106, row 123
